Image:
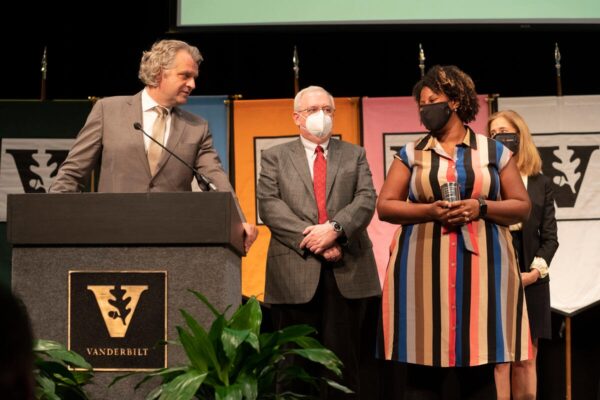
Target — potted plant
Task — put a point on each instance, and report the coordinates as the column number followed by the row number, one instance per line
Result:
column 235, row 361
column 54, row 380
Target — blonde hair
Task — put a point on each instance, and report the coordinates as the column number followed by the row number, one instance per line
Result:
column 528, row 158
column 160, row 57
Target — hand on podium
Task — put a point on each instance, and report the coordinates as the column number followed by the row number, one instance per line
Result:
column 250, row 235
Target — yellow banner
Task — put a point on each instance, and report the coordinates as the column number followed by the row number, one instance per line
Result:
column 258, row 125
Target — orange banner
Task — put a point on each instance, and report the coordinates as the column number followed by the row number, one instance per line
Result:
column 258, row 125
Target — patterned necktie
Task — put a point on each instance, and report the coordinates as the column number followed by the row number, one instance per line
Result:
column 320, row 183
column 158, row 133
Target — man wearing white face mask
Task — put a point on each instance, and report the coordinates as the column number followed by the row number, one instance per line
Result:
column 316, row 196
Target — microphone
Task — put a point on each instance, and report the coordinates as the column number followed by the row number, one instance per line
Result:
column 199, row 177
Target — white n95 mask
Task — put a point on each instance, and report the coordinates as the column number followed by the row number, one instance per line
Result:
column 319, row 124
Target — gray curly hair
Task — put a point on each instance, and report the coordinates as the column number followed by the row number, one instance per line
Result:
column 160, row 57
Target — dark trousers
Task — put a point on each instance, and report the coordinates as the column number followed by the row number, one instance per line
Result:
column 340, row 328
column 460, row 383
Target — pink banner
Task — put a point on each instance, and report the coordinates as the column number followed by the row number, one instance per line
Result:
column 388, row 123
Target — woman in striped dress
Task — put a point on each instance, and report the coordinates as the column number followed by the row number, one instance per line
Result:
column 452, row 295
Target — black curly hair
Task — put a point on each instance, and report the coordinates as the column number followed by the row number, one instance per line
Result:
column 455, row 84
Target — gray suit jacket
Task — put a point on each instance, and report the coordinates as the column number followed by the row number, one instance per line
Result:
column 287, row 206
column 108, row 136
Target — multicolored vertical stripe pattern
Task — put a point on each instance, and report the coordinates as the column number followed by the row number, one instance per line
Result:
column 442, row 304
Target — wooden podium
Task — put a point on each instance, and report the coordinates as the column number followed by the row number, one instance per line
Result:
column 195, row 239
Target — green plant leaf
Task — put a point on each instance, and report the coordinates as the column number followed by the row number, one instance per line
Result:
column 232, row 392
column 184, row 386
column 291, row 333
column 216, row 329
column 248, row 316
column 56, row 370
column 215, row 333
column 82, row 377
column 325, row 357
column 46, row 388
column 121, row 377
column 203, row 299
column 70, row 392
column 54, row 380
column 155, row 393
column 209, row 348
column 204, row 342
column 196, row 329
column 293, row 372
column 167, row 373
column 231, row 340
column 193, row 349
column 59, row 352
column 45, row 345
column 268, row 339
column 293, row 396
column 253, row 341
column 249, row 385
column 337, row 386
column 71, row 358
column 308, row 342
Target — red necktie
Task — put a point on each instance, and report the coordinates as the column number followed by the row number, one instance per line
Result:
column 320, row 183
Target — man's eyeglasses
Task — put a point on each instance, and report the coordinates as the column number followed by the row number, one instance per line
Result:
column 311, row 110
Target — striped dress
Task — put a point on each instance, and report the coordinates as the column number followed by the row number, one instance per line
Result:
column 442, row 304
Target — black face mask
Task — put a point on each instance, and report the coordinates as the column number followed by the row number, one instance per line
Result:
column 510, row 140
column 435, row 116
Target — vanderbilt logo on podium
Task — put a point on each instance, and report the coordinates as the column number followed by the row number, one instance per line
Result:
column 117, row 319
column 117, row 305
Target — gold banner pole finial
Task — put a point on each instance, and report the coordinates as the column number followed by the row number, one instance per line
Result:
column 296, row 62
column 421, row 60
column 557, row 66
column 44, row 74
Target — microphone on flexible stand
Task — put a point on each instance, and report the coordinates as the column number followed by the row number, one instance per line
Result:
column 199, row 177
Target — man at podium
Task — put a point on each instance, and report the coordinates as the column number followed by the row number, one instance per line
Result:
column 145, row 142
column 316, row 196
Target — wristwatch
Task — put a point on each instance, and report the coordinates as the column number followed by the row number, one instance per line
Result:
column 482, row 207
column 336, row 226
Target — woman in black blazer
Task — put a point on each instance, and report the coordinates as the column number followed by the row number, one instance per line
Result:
column 535, row 242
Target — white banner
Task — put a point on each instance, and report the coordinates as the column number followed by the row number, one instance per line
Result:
column 566, row 131
column 29, row 166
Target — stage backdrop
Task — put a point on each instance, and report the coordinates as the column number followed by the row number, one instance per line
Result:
column 259, row 124
column 389, row 123
column 214, row 109
column 566, row 131
column 28, row 129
